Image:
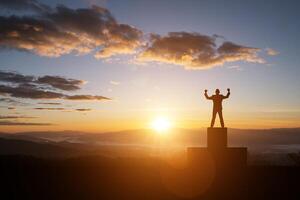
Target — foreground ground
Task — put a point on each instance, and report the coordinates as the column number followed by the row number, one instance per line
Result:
column 95, row 177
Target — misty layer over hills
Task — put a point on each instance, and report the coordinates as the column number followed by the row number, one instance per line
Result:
column 270, row 146
column 175, row 137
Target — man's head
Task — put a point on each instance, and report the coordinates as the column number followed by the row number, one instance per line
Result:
column 217, row 91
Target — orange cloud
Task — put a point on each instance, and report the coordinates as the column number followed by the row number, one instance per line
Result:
column 196, row 51
column 55, row 32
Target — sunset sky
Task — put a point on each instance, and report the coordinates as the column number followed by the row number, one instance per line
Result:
column 112, row 65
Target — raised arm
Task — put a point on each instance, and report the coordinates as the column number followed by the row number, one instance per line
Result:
column 228, row 93
column 205, row 94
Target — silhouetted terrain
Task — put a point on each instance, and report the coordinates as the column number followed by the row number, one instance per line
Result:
column 137, row 165
column 97, row 177
column 246, row 137
column 270, row 146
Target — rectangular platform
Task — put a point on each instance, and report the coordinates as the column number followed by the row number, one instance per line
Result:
column 216, row 138
column 198, row 155
column 231, row 157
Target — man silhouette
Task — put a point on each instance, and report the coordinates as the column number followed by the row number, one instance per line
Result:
column 217, row 99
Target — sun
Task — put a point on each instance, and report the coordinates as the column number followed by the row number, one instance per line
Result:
column 161, row 124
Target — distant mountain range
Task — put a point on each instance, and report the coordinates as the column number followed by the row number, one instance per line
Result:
column 264, row 145
column 282, row 136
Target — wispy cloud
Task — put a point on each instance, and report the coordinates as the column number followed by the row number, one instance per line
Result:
column 114, row 82
column 86, row 97
column 39, row 108
column 236, row 67
column 14, row 123
column 49, row 103
column 11, row 101
column 63, row 109
column 272, row 52
column 83, row 109
column 15, row 117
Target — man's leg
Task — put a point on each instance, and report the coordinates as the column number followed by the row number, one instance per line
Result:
column 213, row 118
column 221, row 118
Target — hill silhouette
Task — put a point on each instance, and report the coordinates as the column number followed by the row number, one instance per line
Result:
column 272, row 146
column 284, row 136
column 22, row 147
column 123, row 165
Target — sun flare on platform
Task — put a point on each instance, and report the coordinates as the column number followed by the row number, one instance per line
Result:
column 161, row 124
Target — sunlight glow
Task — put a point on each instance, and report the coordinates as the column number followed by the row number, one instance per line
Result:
column 161, row 124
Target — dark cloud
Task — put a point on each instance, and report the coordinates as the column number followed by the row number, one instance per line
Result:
column 11, row 108
column 83, row 109
column 60, row 82
column 64, row 30
column 34, row 93
column 11, row 101
column 15, row 117
column 24, row 5
column 49, row 103
column 49, row 108
column 30, row 93
column 14, row 77
column 86, row 97
column 196, row 51
column 56, row 82
column 14, row 123
column 44, row 87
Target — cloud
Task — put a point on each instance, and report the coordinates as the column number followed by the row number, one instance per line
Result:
column 236, row 67
column 14, row 117
column 11, row 101
column 114, row 82
column 13, row 77
column 62, row 30
column 63, row 109
column 86, row 97
column 196, row 51
column 49, row 103
column 56, row 82
column 35, row 93
column 272, row 52
column 29, row 92
column 44, row 87
column 61, row 83
column 83, row 109
column 11, row 108
column 24, row 5
column 13, row 123
column 49, row 108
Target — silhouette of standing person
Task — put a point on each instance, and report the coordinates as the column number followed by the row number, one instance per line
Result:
column 217, row 109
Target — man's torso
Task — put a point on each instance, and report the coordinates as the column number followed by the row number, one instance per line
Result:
column 217, row 99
